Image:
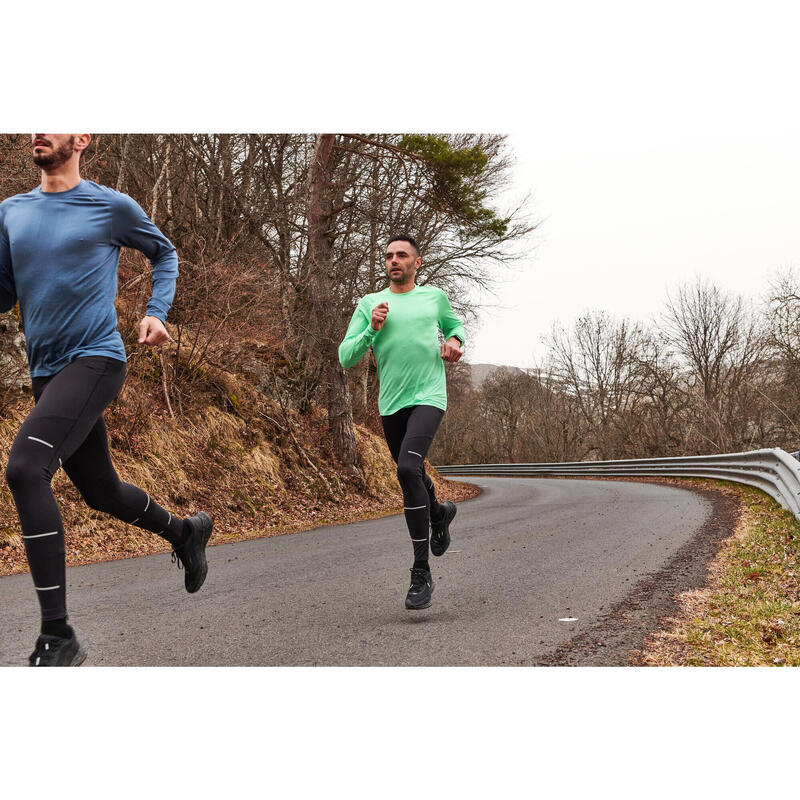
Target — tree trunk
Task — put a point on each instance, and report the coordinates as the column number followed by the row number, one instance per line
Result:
column 123, row 163
column 321, row 312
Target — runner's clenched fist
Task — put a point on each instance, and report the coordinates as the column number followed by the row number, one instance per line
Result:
column 379, row 316
column 451, row 350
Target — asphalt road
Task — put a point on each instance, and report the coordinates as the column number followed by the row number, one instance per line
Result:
column 526, row 554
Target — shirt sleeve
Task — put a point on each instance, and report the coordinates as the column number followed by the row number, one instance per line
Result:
column 359, row 336
column 8, row 291
column 131, row 227
column 449, row 323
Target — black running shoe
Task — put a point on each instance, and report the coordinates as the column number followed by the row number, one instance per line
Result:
column 440, row 531
column 421, row 589
column 53, row 651
column 192, row 553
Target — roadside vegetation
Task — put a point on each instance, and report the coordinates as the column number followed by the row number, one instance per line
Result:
column 713, row 373
column 749, row 613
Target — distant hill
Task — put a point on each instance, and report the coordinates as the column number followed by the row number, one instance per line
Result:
column 480, row 372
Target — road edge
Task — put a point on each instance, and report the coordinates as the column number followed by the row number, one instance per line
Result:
column 618, row 637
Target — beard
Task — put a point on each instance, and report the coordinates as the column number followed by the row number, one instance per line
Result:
column 56, row 157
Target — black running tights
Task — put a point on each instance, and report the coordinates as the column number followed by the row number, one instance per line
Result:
column 66, row 429
column 409, row 433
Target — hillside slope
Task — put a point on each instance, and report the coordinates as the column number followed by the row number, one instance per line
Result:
column 258, row 468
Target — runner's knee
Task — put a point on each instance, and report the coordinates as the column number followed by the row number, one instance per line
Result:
column 409, row 470
column 26, row 468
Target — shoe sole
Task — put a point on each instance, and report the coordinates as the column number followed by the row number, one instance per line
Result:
column 446, row 533
column 80, row 656
column 207, row 526
column 410, row 607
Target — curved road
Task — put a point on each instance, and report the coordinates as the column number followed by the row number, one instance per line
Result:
column 526, row 553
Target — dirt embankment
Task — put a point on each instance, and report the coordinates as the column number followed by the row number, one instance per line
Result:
column 256, row 467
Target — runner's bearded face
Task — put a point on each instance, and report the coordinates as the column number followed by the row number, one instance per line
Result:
column 402, row 262
column 51, row 150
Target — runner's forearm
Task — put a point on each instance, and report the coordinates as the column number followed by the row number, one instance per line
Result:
column 449, row 323
column 357, row 340
column 133, row 228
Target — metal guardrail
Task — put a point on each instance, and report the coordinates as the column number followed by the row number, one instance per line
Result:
column 774, row 471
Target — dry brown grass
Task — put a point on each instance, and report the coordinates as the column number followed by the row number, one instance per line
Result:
column 749, row 614
column 259, row 470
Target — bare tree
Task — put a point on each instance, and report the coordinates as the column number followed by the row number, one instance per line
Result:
column 596, row 359
column 722, row 343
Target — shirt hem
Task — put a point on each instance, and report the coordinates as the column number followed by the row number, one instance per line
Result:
column 422, row 401
column 46, row 372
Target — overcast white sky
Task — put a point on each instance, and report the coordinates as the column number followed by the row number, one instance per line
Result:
column 661, row 144
column 624, row 221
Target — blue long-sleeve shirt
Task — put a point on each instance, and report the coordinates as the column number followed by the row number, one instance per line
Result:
column 59, row 253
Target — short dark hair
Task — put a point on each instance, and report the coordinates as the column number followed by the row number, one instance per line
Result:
column 402, row 237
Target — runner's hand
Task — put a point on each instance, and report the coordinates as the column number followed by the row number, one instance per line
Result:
column 152, row 331
column 451, row 350
column 379, row 316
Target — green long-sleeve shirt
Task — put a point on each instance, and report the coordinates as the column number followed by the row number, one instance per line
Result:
column 407, row 352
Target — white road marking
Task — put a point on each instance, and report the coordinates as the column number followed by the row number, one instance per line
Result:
column 568, row 619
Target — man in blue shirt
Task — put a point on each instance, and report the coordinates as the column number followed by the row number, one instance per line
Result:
column 59, row 250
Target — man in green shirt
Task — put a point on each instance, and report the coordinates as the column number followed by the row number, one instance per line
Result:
column 402, row 324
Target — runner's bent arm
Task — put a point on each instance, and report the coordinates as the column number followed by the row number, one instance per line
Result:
column 131, row 227
column 8, row 293
column 449, row 324
column 358, row 338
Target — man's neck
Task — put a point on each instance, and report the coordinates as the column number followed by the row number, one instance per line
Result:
column 401, row 288
column 61, row 179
